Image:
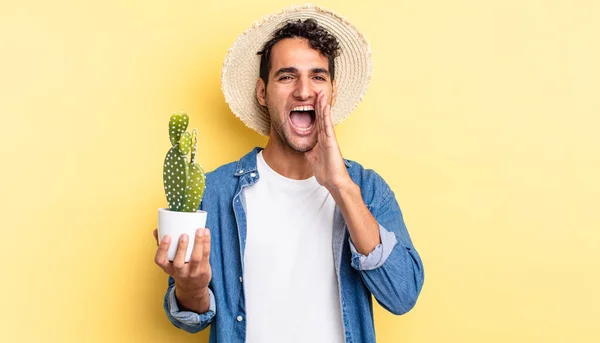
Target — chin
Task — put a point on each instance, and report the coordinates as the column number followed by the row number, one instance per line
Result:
column 303, row 144
column 294, row 140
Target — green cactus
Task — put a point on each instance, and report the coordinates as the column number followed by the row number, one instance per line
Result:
column 184, row 181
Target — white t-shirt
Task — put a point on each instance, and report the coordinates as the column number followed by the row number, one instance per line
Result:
column 290, row 284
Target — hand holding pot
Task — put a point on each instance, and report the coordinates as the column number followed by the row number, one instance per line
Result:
column 192, row 278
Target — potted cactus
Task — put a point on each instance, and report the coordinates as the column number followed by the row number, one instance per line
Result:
column 184, row 184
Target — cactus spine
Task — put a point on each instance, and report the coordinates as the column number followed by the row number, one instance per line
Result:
column 184, row 181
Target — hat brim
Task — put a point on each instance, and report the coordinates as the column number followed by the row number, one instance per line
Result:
column 240, row 70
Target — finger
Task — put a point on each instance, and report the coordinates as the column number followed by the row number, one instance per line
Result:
column 318, row 102
column 161, row 255
column 320, row 126
column 206, row 248
column 317, row 110
column 323, row 107
column 329, row 132
column 179, row 260
column 326, row 112
column 155, row 233
column 197, row 252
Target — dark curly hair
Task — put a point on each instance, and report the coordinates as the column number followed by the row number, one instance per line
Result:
column 319, row 39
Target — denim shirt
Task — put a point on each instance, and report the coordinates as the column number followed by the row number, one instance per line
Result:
column 392, row 272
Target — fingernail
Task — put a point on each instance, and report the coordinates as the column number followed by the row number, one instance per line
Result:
column 166, row 238
column 184, row 237
column 199, row 232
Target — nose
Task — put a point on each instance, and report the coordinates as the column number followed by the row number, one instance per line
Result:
column 303, row 89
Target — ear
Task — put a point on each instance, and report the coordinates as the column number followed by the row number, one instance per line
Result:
column 261, row 92
column 334, row 92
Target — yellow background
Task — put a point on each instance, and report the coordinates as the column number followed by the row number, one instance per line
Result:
column 482, row 115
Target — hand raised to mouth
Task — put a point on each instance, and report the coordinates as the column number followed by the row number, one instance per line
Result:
column 326, row 158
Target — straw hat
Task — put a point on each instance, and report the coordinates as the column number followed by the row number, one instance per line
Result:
column 241, row 67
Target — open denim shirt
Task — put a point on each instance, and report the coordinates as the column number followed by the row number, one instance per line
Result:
column 392, row 272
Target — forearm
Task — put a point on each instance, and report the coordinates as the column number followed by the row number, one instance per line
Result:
column 396, row 284
column 192, row 300
column 363, row 228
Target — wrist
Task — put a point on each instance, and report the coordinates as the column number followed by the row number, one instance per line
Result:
column 190, row 292
column 195, row 300
column 346, row 186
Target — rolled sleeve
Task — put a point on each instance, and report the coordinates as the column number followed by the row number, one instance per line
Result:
column 189, row 321
column 376, row 257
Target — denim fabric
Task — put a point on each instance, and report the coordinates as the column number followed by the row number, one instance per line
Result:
column 392, row 272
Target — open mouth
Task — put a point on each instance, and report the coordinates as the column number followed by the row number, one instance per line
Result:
column 303, row 117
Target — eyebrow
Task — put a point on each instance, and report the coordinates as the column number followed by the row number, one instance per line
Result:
column 320, row 71
column 295, row 70
column 286, row 70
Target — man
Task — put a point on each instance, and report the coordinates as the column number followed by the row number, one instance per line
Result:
column 300, row 238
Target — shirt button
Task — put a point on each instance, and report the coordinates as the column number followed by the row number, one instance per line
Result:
column 240, row 279
column 239, row 318
column 253, row 174
column 241, row 171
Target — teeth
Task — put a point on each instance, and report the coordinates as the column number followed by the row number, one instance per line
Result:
column 304, row 129
column 304, row 108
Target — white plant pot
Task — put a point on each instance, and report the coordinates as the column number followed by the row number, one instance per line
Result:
column 175, row 224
